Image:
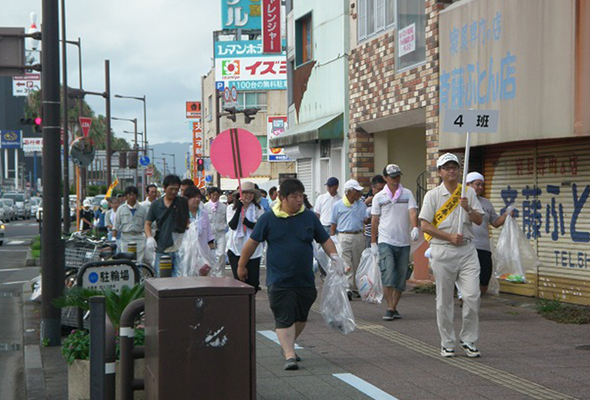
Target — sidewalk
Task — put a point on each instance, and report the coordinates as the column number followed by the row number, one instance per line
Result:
column 523, row 356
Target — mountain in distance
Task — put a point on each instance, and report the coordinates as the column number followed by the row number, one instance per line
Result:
column 178, row 149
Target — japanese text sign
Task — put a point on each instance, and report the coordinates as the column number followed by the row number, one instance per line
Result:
column 271, row 26
column 240, row 14
column 463, row 121
column 113, row 277
column 32, row 144
column 276, row 125
column 193, row 109
column 11, row 139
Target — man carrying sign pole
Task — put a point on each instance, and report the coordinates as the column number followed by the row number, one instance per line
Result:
column 453, row 255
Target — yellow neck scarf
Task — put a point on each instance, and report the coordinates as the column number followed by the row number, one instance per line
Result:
column 276, row 209
column 346, row 202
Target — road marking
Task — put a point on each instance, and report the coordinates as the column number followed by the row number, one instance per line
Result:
column 15, row 242
column 17, row 282
column 13, row 250
column 11, row 269
column 495, row 375
column 364, row 387
column 273, row 336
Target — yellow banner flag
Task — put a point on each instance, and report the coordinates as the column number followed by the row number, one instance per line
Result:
column 113, row 185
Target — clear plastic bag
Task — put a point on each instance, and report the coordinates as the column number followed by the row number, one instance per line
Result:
column 514, row 254
column 368, row 278
column 334, row 304
column 195, row 259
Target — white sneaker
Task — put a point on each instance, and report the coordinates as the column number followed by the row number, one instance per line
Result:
column 447, row 352
column 470, row 350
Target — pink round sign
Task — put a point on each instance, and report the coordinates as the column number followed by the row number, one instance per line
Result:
column 236, row 153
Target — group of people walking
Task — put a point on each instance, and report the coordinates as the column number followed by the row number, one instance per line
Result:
column 283, row 227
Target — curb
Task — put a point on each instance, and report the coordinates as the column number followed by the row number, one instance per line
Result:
column 33, row 369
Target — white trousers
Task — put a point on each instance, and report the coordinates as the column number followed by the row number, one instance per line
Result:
column 456, row 264
column 352, row 246
column 220, row 243
column 140, row 239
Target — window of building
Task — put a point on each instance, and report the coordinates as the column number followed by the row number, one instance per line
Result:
column 411, row 33
column 264, row 144
column 304, row 40
column 251, row 100
column 374, row 16
column 209, row 110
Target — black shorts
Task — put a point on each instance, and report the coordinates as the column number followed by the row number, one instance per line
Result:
column 290, row 305
column 485, row 263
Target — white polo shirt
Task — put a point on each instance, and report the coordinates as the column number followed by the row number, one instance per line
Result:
column 394, row 218
column 323, row 206
column 435, row 199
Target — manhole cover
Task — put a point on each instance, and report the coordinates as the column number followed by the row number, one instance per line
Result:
column 10, row 347
column 583, row 347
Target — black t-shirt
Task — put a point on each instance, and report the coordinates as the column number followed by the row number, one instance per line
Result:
column 289, row 258
column 89, row 215
column 173, row 222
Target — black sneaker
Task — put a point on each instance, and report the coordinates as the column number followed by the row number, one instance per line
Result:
column 291, row 364
column 470, row 350
column 396, row 315
column 389, row 315
column 447, row 352
column 349, row 295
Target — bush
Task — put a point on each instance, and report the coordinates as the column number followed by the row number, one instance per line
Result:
column 554, row 310
column 76, row 346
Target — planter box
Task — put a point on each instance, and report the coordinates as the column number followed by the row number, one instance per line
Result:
column 79, row 380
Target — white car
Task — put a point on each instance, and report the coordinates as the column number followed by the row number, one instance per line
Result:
column 22, row 205
column 10, row 208
column 35, row 203
column 2, row 213
column 2, row 228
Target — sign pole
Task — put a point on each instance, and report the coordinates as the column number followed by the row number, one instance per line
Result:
column 465, row 172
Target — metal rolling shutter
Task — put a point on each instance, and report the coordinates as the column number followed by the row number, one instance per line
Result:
column 551, row 183
column 304, row 174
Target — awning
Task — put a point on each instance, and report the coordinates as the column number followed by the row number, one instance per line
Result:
column 331, row 127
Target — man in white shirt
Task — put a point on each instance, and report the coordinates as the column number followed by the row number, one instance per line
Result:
column 130, row 221
column 325, row 202
column 394, row 220
column 152, row 194
column 217, row 211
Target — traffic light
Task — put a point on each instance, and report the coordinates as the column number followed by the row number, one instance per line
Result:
column 37, row 122
column 123, row 159
column 249, row 114
column 132, row 160
column 200, row 165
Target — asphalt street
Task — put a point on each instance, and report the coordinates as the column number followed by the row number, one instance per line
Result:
column 13, row 275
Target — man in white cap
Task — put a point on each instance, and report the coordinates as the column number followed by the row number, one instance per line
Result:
column 481, row 238
column 86, row 216
column 325, row 202
column 348, row 216
column 454, row 258
column 394, row 221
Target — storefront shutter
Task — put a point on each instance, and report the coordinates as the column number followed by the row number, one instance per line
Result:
column 304, row 174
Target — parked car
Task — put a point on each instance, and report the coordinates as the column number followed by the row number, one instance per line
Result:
column 7, row 211
column 2, row 213
column 11, row 207
column 35, row 202
column 22, row 204
column 39, row 214
column 2, row 228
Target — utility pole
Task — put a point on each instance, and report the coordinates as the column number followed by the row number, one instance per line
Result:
column 107, row 90
column 52, row 246
column 66, row 140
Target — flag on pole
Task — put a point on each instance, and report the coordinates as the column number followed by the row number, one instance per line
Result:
column 111, row 187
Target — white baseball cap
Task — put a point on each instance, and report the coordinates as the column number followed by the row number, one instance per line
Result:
column 445, row 158
column 87, row 203
column 352, row 184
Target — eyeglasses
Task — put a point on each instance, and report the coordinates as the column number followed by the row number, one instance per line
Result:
column 450, row 167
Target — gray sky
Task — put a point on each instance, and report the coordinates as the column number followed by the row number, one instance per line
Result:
column 156, row 48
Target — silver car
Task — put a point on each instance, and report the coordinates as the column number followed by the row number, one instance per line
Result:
column 8, row 210
column 22, row 205
column 35, row 203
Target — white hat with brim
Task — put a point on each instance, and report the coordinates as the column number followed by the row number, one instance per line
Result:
column 352, row 184
column 86, row 203
column 248, row 187
column 445, row 158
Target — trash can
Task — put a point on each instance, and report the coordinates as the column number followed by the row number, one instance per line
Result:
column 200, row 341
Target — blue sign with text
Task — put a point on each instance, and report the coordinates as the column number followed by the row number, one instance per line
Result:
column 11, row 139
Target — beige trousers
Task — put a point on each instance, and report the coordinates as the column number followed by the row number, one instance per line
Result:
column 456, row 264
column 351, row 246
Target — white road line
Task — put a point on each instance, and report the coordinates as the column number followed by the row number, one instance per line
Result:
column 16, row 282
column 365, row 387
column 273, row 336
column 11, row 269
column 15, row 242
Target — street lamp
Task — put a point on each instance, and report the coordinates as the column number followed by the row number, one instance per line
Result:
column 135, row 147
column 173, row 159
column 144, row 111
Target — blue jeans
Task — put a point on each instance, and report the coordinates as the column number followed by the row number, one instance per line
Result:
column 393, row 263
column 175, row 262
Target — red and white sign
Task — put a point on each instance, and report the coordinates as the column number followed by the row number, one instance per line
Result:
column 198, row 144
column 85, row 124
column 271, row 27
column 407, row 40
column 251, row 69
column 276, row 125
column 25, row 84
column 32, row 144
column 193, row 109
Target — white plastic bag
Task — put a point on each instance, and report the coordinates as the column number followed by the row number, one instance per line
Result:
column 368, row 278
column 194, row 258
column 514, row 254
column 334, row 304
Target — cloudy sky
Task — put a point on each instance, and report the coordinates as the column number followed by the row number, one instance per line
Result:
column 156, row 48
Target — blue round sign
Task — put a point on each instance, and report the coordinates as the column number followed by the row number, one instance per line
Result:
column 209, row 178
column 93, row 277
column 144, row 160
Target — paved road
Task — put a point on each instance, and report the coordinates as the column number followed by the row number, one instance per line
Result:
column 13, row 274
